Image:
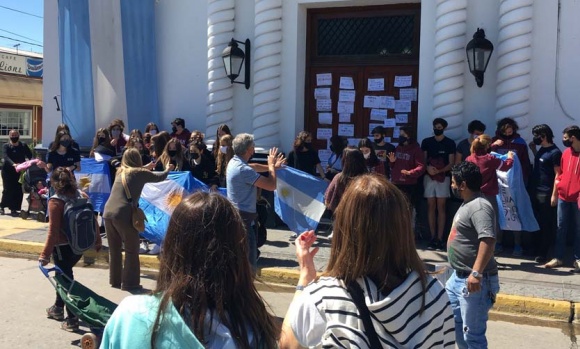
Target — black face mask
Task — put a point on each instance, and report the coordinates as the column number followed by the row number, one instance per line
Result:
column 65, row 143
column 403, row 139
column 172, row 153
column 308, row 146
column 437, row 132
column 378, row 140
column 102, row 139
column 331, row 148
column 14, row 139
column 174, row 129
column 537, row 140
column 567, row 143
column 508, row 137
column 194, row 156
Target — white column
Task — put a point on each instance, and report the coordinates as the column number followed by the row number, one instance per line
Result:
column 450, row 41
column 514, row 52
column 267, row 71
column 220, row 30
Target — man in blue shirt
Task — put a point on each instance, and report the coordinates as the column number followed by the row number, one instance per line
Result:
column 242, row 180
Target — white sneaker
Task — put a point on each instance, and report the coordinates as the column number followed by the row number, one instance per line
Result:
column 143, row 248
column 155, row 250
column 330, row 236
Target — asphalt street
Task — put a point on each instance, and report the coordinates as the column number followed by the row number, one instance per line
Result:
column 26, row 293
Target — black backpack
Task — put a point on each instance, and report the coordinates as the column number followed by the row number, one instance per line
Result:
column 78, row 223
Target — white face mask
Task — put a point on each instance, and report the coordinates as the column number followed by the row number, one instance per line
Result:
column 224, row 149
column 153, row 132
column 367, row 155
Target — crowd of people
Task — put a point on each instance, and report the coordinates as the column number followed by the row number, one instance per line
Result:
column 373, row 266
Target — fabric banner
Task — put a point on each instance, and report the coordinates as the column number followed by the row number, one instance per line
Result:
column 140, row 60
column 94, row 178
column 158, row 200
column 299, row 199
column 515, row 208
column 76, row 76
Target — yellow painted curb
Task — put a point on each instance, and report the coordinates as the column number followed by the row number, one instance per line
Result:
column 559, row 310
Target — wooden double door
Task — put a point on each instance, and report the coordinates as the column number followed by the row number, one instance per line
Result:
column 355, row 57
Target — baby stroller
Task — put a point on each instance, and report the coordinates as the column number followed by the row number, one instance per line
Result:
column 88, row 306
column 35, row 186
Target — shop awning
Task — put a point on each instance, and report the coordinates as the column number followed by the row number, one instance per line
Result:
column 20, row 90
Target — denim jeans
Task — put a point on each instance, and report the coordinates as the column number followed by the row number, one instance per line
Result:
column 470, row 310
column 249, row 219
column 568, row 216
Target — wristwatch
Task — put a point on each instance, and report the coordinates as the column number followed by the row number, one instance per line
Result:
column 476, row 275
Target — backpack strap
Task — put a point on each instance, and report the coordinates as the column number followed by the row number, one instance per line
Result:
column 358, row 298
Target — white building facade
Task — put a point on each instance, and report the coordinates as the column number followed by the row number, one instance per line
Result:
column 532, row 75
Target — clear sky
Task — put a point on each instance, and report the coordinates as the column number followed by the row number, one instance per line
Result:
column 21, row 26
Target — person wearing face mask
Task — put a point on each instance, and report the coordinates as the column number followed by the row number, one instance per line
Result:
column 546, row 165
column 224, row 155
column 118, row 140
column 382, row 148
column 439, row 152
column 61, row 154
column 102, row 149
column 179, row 132
column 137, row 143
column 64, row 127
column 173, row 154
column 15, row 152
column 474, row 128
column 474, row 284
column 221, row 131
column 566, row 198
column 337, row 145
column 373, row 164
column 151, row 128
column 407, row 164
column 304, row 157
column 507, row 139
column 202, row 166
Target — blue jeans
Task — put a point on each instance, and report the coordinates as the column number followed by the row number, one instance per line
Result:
column 470, row 310
column 568, row 214
column 249, row 219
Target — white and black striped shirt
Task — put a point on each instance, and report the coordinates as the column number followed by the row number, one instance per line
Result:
column 324, row 315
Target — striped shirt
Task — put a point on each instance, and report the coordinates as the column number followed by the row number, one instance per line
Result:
column 325, row 316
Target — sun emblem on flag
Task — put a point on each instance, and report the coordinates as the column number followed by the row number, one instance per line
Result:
column 284, row 192
column 174, row 198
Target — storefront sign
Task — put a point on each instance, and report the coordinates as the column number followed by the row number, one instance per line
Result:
column 21, row 65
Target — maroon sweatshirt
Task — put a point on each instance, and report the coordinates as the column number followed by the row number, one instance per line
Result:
column 488, row 164
column 408, row 157
column 518, row 145
column 569, row 178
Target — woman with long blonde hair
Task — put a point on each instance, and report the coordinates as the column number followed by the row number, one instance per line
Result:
column 118, row 223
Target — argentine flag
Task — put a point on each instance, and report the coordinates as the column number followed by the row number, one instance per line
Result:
column 94, row 179
column 158, row 200
column 514, row 205
column 299, row 199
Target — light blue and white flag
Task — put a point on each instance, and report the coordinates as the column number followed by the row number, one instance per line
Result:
column 158, row 200
column 514, row 205
column 94, row 179
column 299, row 199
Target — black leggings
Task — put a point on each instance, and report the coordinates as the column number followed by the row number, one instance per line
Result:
column 65, row 259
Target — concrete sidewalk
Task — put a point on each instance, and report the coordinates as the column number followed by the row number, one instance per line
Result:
column 526, row 288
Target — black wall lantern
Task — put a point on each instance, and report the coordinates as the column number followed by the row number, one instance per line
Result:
column 479, row 51
column 234, row 58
